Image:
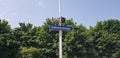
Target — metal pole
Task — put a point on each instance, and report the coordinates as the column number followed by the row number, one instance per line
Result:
column 60, row 32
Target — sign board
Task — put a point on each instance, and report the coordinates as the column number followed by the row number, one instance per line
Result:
column 63, row 28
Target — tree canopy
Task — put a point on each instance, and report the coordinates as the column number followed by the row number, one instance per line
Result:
column 28, row 41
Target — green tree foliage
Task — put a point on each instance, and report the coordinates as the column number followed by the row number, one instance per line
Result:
column 30, row 52
column 8, row 44
column 75, row 42
column 28, row 41
column 23, row 34
column 105, row 39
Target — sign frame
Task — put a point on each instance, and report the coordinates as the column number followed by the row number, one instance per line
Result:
column 63, row 28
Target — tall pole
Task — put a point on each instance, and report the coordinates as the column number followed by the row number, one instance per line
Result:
column 60, row 32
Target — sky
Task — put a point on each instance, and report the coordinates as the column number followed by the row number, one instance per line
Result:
column 86, row 12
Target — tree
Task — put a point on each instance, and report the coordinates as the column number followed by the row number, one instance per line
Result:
column 8, row 45
column 75, row 43
column 23, row 34
column 26, row 41
column 105, row 38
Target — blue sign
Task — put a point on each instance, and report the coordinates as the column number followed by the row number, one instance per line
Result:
column 63, row 28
